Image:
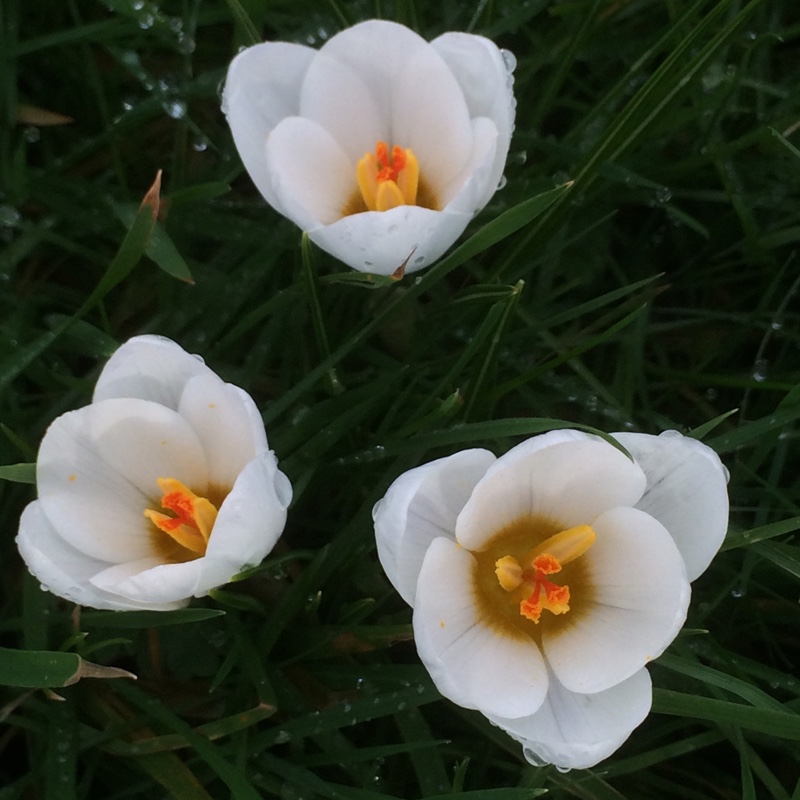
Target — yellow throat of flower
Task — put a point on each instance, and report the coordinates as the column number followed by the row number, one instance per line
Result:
column 188, row 526
column 387, row 179
column 528, row 568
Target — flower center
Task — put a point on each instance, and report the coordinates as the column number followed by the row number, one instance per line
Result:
column 546, row 559
column 387, row 179
column 531, row 566
column 188, row 526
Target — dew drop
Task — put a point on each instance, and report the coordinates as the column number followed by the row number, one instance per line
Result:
column 760, row 370
column 31, row 134
column 509, row 59
column 503, row 182
column 9, row 216
column 175, row 108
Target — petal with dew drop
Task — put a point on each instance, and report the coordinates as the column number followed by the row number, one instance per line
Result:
column 640, row 596
column 470, row 663
column 65, row 571
column 262, row 88
column 149, row 368
column 253, row 515
column 379, row 242
column 686, row 492
column 149, row 580
column 576, row 731
column 226, row 422
column 421, row 505
column 311, row 178
column 486, row 84
column 98, row 468
column 569, row 483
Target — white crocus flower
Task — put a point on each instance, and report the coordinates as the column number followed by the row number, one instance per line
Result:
column 381, row 145
column 161, row 489
column 543, row 581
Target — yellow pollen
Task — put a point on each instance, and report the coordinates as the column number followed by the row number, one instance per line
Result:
column 388, row 180
column 192, row 516
column 548, row 558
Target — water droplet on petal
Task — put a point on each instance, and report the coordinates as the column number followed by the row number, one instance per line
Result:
column 509, row 59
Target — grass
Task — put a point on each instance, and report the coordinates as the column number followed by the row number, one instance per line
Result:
column 659, row 291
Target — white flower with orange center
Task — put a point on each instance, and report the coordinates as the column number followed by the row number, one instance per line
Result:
column 543, row 581
column 381, row 145
column 161, row 489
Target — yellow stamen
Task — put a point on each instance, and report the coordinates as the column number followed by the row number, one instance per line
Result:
column 387, row 181
column 193, row 519
column 509, row 572
column 548, row 558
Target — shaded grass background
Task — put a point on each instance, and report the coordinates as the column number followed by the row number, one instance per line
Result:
column 660, row 291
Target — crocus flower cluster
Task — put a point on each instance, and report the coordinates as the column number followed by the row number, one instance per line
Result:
column 161, row 489
column 381, row 145
column 543, row 581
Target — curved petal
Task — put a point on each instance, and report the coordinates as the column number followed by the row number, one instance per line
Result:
column 421, row 505
column 253, row 515
column 338, row 99
column 570, row 483
column 470, row 189
column 62, row 569
column 379, row 242
column 262, row 88
column 97, row 472
column 404, row 77
column 226, row 422
column 641, row 596
column 429, row 115
column 311, row 178
column 487, row 86
column 151, row 582
column 686, row 492
column 470, row 663
column 539, row 442
column 149, row 368
column 576, row 731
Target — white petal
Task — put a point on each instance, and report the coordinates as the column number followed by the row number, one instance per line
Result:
column 570, row 483
column 686, row 492
column 487, row 86
column 62, row 569
column 470, row 189
column 421, row 505
column 150, row 368
column 226, row 422
column 97, row 472
column 429, row 115
column 360, row 85
column 470, row 663
column 538, row 442
column 640, row 604
column 262, row 88
column 576, row 731
column 338, row 99
column 381, row 241
column 148, row 581
column 311, row 178
column 253, row 515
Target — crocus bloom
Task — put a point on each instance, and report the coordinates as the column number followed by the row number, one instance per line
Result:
column 543, row 581
column 161, row 489
column 381, row 145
